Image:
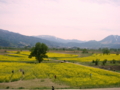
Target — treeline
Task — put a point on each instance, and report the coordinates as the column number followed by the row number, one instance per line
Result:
column 74, row 49
column 85, row 50
column 104, row 62
column 15, row 48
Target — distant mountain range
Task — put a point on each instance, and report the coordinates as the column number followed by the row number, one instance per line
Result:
column 59, row 40
column 11, row 39
column 112, row 39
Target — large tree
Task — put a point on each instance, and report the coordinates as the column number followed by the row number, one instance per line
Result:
column 39, row 51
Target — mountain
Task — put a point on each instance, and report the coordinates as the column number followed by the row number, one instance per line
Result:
column 90, row 44
column 17, row 40
column 4, row 42
column 11, row 39
column 59, row 40
column 112, row 39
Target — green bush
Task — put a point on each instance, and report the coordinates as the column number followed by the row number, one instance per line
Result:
column 96, row 62
column 104, row 61
column 113, row 61
column 7, row 87
column 21, row 88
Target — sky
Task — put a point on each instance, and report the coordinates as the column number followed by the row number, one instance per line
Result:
column 66, row 19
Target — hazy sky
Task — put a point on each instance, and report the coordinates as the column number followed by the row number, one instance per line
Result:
column 67, row 19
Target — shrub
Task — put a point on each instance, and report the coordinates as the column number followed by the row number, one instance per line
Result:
column 106, row 51
column 104, row 61
column 96, row 61
column 7, row 87
column 93, row 61
column 84, row 51
column 113, row 61
column 21, row 88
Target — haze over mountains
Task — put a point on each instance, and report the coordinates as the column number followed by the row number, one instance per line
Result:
column 11, row 39
column 59, row 40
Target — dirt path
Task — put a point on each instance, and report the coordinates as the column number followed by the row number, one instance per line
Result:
column 68, row 89
column 35, row 83
column 92, row 89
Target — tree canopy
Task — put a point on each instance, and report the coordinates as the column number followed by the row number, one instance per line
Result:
column 106, row 51
column 39, row 51
column 84, row 51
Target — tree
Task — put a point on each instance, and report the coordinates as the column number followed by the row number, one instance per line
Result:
column 104, row 61
column 84, row 51
column 78, row 49
column 39, row 51
column 63, row 49
column 113, row 61
column 96, row 61
column 106, row 51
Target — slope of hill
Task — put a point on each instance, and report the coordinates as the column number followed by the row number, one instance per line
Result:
column 11, row 39
column 56, row 39
column 112, row 39
column 4, row 42
column 18, row 40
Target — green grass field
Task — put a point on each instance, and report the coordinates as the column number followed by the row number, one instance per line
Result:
column 71, row 74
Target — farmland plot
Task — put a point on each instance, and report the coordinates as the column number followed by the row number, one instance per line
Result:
column 76, row 76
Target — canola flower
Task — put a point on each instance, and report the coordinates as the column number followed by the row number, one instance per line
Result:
column 13, row 57
column 51, row 54
column 101, row 57
column 71, row 74
column 68, row 73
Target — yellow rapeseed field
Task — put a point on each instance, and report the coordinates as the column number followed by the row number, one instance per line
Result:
column 68, row 73
column 12, row 68
column 101, row 57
